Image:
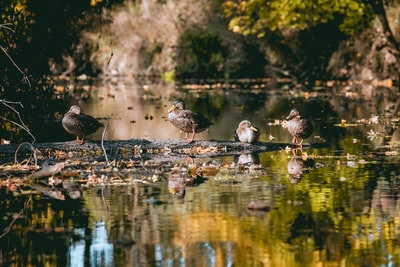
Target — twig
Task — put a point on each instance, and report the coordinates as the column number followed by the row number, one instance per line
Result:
column 21, row 124
column 8, row 26
column 102, row 197
column 15, row 218
column 25, row 77
column 31, row 147
column 102, row 141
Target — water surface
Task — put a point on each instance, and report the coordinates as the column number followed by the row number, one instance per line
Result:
column 335, row 206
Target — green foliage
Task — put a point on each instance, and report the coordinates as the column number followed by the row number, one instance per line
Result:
column 168, row 76
column 260, row 16
column 16, row 13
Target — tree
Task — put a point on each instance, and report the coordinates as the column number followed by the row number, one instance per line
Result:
column 379, row 9
column 261, row 16
column 303, row 34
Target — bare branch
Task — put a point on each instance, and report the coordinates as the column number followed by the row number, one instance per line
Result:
column 16, row 217
column 31, row 147
column 21, row 123
column 25, row 77
column 8, row 26
column 102, row 141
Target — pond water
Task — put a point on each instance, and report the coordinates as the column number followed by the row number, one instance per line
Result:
column 334, row 205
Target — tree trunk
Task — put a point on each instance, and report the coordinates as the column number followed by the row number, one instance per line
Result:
column 380, row 11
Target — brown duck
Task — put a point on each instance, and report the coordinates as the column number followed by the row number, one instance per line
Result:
column 299, row 127
column 77, row 123
column 246, row 132
column 186, row 120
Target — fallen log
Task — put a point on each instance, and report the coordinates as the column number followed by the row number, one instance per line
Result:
column 25, row 168
column 157, row 149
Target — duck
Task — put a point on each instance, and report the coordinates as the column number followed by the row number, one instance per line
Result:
column 299, row 127
column 246, row 132
column 77, row 123
column 186, row 120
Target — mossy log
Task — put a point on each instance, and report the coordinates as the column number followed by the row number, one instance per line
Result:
column 157, row 149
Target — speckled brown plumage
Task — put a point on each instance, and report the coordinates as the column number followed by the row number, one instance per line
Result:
column 79, row 124
column 246, row 132
column 186, row 120
column 300, row 128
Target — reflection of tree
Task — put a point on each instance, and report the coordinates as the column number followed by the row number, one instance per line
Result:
column 76, row 250
column 340, row 217
column 101, row 251
column 317, row 228
column 321, row 221
column 42, row 234
column 249, row 102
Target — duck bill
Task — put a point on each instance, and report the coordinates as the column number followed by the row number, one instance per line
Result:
column 290, row 116
column 171, row 109
column 293, row 113
column 254, row 128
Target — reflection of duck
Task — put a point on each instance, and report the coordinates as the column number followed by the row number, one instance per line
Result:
column 67, row 190
column 247, row 158
column 186, row 120
column 177, row 186
column 246, row 132
column 77, row 123
column 298, row 127
column 297, row 167
column 180, row 178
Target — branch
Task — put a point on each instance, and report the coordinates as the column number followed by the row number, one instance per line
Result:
column 102, row 141
column 21, row 124
column 15, row 218
column 31, row 147
column 8, row 26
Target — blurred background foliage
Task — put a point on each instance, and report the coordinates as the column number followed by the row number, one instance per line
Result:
column 202, row 39
column 262, row 16
column 174, row 40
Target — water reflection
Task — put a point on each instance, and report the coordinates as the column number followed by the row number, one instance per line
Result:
column 76, row 251
column 101, row 251
column 299, row 166
column 247, row 159
column 182, row 177
column 214, row 225
column 345, row 210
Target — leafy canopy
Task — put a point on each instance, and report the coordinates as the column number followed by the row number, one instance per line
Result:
column 260, row 16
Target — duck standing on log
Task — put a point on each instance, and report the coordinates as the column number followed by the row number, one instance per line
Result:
column 299, row 127
column 186, row 120
column 246, row 132
column 77, row 123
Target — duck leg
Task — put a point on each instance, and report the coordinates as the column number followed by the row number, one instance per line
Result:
column 295, row 150
column 301, row 143
column 294, row 140
column 79, row 141
column 192, row 138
